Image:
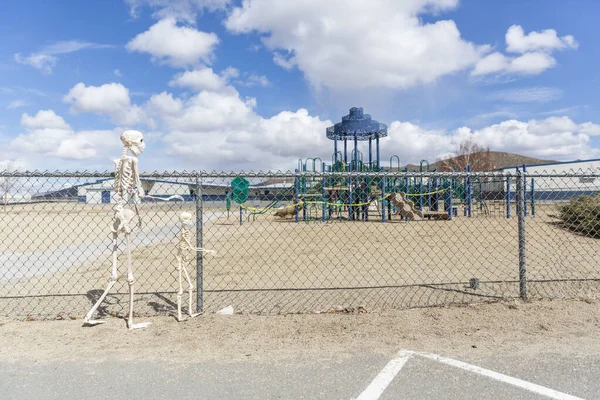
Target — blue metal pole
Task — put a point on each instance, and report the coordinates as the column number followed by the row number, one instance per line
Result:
column 324, row 192
column 429, row 194
column 377, row 151
column 383, row 200
column 355, row 153
column 525, row 191
column 350, row 199
column 296, row 190
column 330, row 182
column 508, row 197
column 421, row 196
column 480, row 195
column 345, row 151
column 407, row 181
column 436, row 195
column 371, row 154
column 532, row 197
column 335, row 149
column 450, row 194
column 470, row 194
column 448, row 198
column 519, row 183
column 303, row 189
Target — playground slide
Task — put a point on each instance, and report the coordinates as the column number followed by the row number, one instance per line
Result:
column 404, row 207
column 263, row 210
column 290, row 209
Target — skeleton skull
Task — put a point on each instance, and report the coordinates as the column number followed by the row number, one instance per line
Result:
column 186, row 219
column 134, row 140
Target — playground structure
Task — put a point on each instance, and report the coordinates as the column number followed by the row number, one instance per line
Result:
column 369, row 191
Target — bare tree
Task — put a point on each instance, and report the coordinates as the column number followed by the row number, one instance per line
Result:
column 7, row 183
column 471, row 153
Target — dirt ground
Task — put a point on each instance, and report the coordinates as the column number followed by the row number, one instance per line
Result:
column 275, row 266
column 510, row 326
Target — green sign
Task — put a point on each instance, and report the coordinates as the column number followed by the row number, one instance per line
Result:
column 240, row 186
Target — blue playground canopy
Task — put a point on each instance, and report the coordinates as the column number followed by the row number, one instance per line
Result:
column 354, row 127
column 357, row 125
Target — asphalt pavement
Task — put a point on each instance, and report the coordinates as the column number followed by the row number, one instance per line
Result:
column 345, row 376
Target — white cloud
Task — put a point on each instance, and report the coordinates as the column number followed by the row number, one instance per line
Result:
column 535, row 51
column 43, row 62
column 254, row 80
column 117, row 73
column 563, row 139
column 48, row 134
column 590, row 129
column 110, row 99
column 182, row 10
column 218, row 129
column 359, row 44
column 206, row 79
column 16, row 104
column 531, row 63
column 45, row 59
column 208, row 111
column 200, row 79
column 547, row 40
column 44, row 119
column 526, row 64
column 222, row 131
column 178, row 46
column 492, row 63
column 536, row 94
column 165, row 104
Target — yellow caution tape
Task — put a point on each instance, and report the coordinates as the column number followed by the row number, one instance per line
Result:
column 338, row 204
column 425, row 194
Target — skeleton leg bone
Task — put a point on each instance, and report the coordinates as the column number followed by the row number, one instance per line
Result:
column 113, row 279
column 180, row 292
column 189, row 281
column 131, row 281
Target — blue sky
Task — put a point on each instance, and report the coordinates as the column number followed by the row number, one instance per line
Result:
column 221, row 84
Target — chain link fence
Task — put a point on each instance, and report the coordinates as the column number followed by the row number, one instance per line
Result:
column 300, row 242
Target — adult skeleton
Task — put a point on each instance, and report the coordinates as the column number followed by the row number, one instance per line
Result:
column 127, row 186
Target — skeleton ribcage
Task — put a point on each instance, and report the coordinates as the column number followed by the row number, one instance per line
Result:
column 123, row 178
column 184, row 248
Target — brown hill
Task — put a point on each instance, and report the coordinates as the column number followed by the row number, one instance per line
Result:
column 498, row 159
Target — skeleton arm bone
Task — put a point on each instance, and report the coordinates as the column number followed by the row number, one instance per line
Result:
column 136, row 174
column 198, row 249
column 174, row 197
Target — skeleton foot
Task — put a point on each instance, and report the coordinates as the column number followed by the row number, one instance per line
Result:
column 139, row 325
column 190, row 316
column 93, row 322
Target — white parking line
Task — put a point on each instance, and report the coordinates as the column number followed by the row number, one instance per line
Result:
column 385, row 377
column 387, row 374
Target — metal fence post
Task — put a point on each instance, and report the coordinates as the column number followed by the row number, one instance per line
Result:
column 199, row 255
column 521, row 227
column 296, row 190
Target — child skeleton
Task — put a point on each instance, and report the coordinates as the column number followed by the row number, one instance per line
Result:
column 184, row 248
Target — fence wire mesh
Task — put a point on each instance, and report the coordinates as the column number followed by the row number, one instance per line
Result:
column 299, row 242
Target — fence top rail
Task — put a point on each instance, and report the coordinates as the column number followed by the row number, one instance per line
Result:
column 289, row 174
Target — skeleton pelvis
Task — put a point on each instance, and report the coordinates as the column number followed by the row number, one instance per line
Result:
column 122, row 219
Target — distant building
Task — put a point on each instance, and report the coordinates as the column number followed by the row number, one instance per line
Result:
column 557, row 187
column 102, row 191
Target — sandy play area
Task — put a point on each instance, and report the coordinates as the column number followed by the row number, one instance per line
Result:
column 56, row 261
